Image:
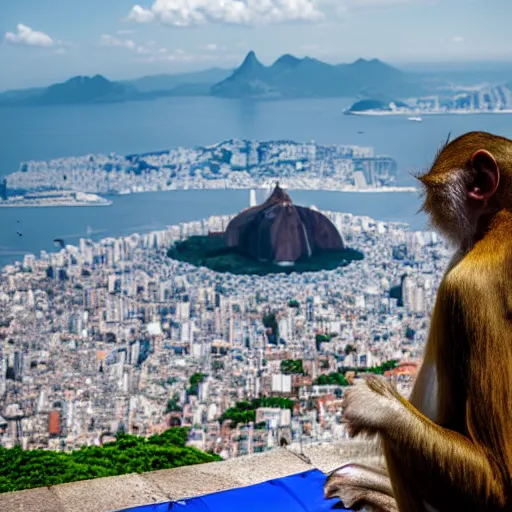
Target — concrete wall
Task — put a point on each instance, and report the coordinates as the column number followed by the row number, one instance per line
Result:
column 108, row 494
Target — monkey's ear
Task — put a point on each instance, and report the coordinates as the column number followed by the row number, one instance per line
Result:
column 487, row 176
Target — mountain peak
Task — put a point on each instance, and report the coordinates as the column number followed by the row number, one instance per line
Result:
column 290, row 76
column 80, row 79
column 251, row 59
column 286, row 60
column 250, row 66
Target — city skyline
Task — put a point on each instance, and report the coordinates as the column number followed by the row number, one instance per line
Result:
column 124, row 39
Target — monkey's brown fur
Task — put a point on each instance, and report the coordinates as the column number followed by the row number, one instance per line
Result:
column 450, row 445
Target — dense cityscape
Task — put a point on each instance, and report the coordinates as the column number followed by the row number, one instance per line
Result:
column 113, row 336
column 474, row 100
column 230, row 164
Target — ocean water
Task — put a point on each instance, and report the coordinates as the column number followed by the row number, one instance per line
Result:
column 50, row 132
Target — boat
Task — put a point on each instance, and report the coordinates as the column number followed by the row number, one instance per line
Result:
column 417, row 119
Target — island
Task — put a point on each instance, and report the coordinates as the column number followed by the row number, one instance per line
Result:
column 485, row 100
column 231, row 164
column 63, row 198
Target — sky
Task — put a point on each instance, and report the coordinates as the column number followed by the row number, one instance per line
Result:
column 46, row 41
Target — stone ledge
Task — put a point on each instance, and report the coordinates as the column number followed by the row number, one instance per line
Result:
column 114, row 493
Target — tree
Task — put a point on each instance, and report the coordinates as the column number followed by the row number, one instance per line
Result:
column 333, row 379
column 173, row 406
column 321, row 338
column 20, row 469
column 270, row 322
column 245, row 412
column 291, row 367
column 194, row 381
column 350, row 349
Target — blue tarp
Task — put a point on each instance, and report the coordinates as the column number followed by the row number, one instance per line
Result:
column 303, row 492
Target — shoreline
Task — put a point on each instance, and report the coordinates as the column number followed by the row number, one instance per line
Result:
column 37, row 254
column 25, row 205
column 346, row 189
column 284, row 185
column 414, row 113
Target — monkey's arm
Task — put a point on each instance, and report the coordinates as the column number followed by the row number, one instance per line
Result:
column 453, row 460
column 450, row 459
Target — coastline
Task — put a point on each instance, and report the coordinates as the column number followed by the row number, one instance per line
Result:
column 66, row 205
column 284, row 185
column 427, row 113
column 167, row 229
column 342, row 189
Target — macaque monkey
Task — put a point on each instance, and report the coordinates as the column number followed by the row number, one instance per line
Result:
column 449, row 447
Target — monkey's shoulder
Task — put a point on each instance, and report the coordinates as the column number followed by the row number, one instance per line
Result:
column 478, row 281
column 486, row 264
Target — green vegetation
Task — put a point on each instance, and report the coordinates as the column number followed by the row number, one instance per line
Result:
column 269, row 321
column 381, row 369
column 291, row 367
column 323, row 338
column 245, row 412
column 378, row 370
column 194, row 382
column 349, row 349
column 333, row 379
column 173, row 406
column 338, row 379
column 211, row 252
column 26, row 469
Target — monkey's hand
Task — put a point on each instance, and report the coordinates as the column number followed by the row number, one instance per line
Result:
column 370, row 405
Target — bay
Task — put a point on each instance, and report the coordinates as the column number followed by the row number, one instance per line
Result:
column 50, row 132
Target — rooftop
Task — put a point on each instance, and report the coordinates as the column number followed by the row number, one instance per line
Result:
column 115, row 493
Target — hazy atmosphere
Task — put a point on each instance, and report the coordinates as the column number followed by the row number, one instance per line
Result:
column 52, row 40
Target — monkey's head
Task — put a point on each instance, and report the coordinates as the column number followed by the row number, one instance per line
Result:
column 470, row 180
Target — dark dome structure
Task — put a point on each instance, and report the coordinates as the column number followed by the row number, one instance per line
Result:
column 280, row 232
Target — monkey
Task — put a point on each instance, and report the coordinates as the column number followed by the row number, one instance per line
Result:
column 449, row 446
column 356, row 484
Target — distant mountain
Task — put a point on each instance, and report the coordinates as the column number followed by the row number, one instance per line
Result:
column 375, row 105
column 82, row 90
column 287, row 77
column 158, row 83
column 79, row 90
column 292, row 77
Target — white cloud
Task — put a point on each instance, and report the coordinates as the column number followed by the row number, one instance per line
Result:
column 375, row 3
column 27, row 37
column 213, row 47
column 128, row 44
column 183, row 13
column 108, row 40
column 141, row 15
column 457, row 39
